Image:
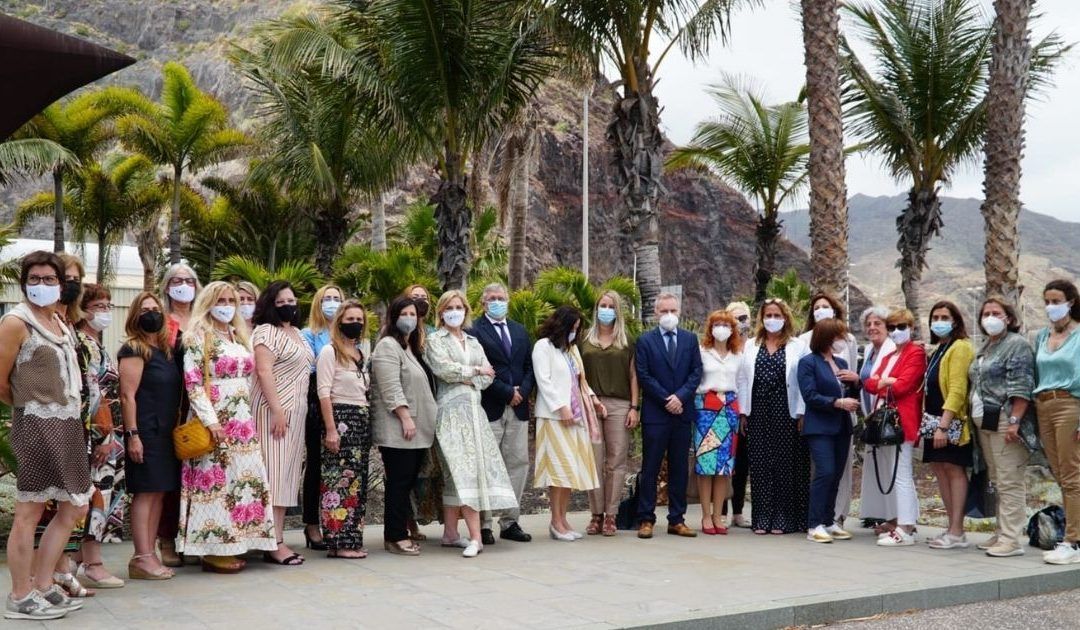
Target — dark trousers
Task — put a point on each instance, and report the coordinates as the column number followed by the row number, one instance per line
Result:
column 739, row 476
column 829, row 454
column 658, row 440
column 313, row 432
column 402, row 466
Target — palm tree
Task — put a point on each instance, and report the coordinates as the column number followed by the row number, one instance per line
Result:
column 622, row 33
column 82, row 127
column 926, row 110
column 105, row 201
column 32, row 157
column 760, row 149
column 300, row 273
column 187, row 131
column 517, row 148
column 828, row 190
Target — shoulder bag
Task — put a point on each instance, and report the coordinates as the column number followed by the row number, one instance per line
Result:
column 191, row 439
column 883, row 428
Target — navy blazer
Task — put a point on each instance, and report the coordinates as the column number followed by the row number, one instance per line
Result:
column 820, row 389
column 660, row 378
column 510, row 371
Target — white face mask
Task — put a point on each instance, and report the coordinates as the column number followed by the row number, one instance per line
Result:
column 43, row 295
column 824, row 312
column 900, row 336
column 100, row 321
column 773, row 324
column 1058, row 312
column 454, row 319
column 224, row 313
column 669, row 321
column 572, row 336
column 839, row 347
column 993, row 326
column 182, row 293
column 247, row 311
column 721, row 333
column 329, row 307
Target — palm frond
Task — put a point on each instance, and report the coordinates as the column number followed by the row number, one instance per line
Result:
column 32, row 157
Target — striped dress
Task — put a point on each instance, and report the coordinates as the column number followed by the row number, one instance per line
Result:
column 293, row 359
column 564, row 455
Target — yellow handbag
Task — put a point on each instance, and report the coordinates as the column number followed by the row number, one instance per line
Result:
column 191, row 439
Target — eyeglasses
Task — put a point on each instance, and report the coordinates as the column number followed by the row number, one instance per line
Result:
column 50, row 281
column 101, row 308
column 175, row 282
column 743, row 318
column 892, row 327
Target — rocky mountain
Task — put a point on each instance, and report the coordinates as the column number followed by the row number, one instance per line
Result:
column 707, row 228
column 1048, row 249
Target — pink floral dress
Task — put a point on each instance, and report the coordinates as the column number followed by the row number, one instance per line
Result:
column 224, row 496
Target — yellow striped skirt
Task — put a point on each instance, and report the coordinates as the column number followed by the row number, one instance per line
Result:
column 564, row 456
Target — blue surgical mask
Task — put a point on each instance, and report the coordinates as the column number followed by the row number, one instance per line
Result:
column 606, row 315
column 497, row 308
column 941, row 328
column 330, row 307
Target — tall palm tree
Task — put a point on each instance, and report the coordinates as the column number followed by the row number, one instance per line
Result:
column 760, row 149
column 925, row 111
column 828, row 189
column 622, row 34
column 32, row 157
column 187, row 131
column 82, row 127
column 517, row 149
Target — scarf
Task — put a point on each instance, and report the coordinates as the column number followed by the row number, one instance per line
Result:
column 65, row 342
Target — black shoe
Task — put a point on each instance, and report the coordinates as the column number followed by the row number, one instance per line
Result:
column 317, row 545
column 487, row 537
column 514, row 532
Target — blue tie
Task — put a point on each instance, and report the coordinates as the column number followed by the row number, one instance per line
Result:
column 504, row 337
column 670, row 341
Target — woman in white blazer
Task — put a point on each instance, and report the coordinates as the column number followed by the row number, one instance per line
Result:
column 873, row 505
column 565, row 418
column 772, row 408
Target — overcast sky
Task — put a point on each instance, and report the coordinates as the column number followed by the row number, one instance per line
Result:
column 767, row 46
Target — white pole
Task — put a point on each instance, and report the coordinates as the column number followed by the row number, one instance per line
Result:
column 585, row 189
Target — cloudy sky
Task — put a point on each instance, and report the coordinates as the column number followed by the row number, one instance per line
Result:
column 767, row 46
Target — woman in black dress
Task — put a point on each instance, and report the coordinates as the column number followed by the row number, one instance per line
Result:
column 779, row 459
column 150, row 385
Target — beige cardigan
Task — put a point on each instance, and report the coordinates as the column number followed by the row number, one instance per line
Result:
column 398, row 379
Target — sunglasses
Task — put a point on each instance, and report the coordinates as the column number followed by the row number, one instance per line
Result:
column 743, row 318
column 892, row 327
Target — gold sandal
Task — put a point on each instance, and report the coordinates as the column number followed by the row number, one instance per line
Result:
column 135, row 572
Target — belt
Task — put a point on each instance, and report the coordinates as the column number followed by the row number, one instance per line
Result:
column 1053, row 394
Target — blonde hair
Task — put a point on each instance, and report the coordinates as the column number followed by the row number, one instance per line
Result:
column 170, row 273
column 900, row 316
column 317, row 322
column 444, row 302
column 202, row 323
column 73, row 311
column 787, row 332
column 244, row 285
column 618, row 327
column 340, row 342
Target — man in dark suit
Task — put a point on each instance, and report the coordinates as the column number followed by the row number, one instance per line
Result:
column 506, row 402
column 669, row 370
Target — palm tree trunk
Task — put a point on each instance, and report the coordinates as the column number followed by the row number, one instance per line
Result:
column 519, row 152
column 454, row 220
column 58, row 209
column 636, row 142
column 174, row 219
column 1010, row 59
column 378, row 224
column 916, row 225
column 331, row 225
column 102, row 257
column 768, row 237
column 828, row 191
column 148, row 242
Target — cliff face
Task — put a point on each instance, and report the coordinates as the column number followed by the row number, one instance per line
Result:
column 707, row 242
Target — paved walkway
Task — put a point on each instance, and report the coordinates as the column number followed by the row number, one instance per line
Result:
column 738, row 581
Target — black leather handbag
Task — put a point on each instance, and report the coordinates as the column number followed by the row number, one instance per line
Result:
column 883, row 428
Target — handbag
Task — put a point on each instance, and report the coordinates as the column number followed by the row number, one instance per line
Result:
column 191, row 439
column 955, row 432
column 883, row 428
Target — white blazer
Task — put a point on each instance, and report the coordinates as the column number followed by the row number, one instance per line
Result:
column 553, row 379
column 887, row 348
column 793, row 351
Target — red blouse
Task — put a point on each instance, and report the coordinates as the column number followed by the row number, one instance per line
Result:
column 907, row 392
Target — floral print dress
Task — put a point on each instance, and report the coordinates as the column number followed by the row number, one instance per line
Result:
column 224, row 496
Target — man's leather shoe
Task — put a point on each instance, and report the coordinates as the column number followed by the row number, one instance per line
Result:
column 487, row 537
column 515, row 533
column 645, row 530
column 681, row 530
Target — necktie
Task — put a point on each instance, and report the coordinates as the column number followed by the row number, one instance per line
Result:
column 670, row 340
column 504, row 336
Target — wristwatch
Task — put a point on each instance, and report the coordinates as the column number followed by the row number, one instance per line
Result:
column 1013, row 420
column 131, row 432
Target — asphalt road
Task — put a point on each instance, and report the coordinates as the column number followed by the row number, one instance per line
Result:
column 1056, row 611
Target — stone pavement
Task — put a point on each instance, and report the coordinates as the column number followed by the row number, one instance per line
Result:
column 738, row 581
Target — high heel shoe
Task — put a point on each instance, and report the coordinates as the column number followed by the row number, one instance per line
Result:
column 317, row 545
column 557, row 535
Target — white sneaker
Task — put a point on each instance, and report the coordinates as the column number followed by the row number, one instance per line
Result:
column 948, row 541
column 472, row 550
column 58, row 599
column 33, row 606
column 819, row 535
column 1064, row 553
column 896, row 538
column 837, row 532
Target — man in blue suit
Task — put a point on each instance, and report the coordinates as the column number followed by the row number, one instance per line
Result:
column 508, row 349
column 669, row 370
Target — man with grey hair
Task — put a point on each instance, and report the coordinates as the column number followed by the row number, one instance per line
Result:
column 508, row 349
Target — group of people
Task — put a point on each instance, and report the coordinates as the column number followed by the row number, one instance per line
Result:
column 447, row 396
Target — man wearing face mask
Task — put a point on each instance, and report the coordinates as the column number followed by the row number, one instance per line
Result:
column 669, row 371
column 508, row 349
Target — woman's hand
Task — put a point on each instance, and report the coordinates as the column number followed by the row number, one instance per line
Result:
column 847, row 404
column 633, row 418
column 566, row 416
column 279, row 424
column 601, row 410
column 217, row 433
column 408, row 428
column 941, row 437
column 485, row 370
column 888, row 381
column 847, row 376
column 135, row 449
column 101, row 453
column 332, row 441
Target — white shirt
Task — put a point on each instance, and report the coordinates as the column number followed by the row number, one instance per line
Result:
column 719, row 374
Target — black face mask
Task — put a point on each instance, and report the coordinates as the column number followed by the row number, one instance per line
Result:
column 351, row 330
column 151, row 322
column 287, row 313
column 422, row 307
column 70, row 292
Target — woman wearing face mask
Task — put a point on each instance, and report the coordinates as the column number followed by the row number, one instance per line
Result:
column 40, row 380
column 716, row 435
column 741, row 312
column 150, row 384
column 772, row 410
column 225, row 498
column 1002, row 377
column 283, row 363
column 324, row 305
column 878, row 510
column 403, row 417
column 426, row 496
column 342, row 387
column 420, row 296
column 899, row 381
column 608, row 357
column 247, row 294
column 474, row 475
column 946, row 435
column 1057, row 400
column 564, row 419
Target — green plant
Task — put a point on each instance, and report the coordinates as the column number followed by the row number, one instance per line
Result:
column 789, row 288
column 303, row 275
column 7, row 456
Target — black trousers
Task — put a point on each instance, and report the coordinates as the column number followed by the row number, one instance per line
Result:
column 402, row 466
column 739, row 477
column 313, row 431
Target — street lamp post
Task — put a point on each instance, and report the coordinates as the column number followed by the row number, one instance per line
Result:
column 585, row 186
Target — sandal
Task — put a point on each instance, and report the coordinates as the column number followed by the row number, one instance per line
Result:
column 135, row 572
column 609, row 525
column 294, row 560
column 414, row 532
column 110, row 582
column 337, row 553
column 396, row 548
column 71, row 585
column 596, row 524
column 227, row 565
